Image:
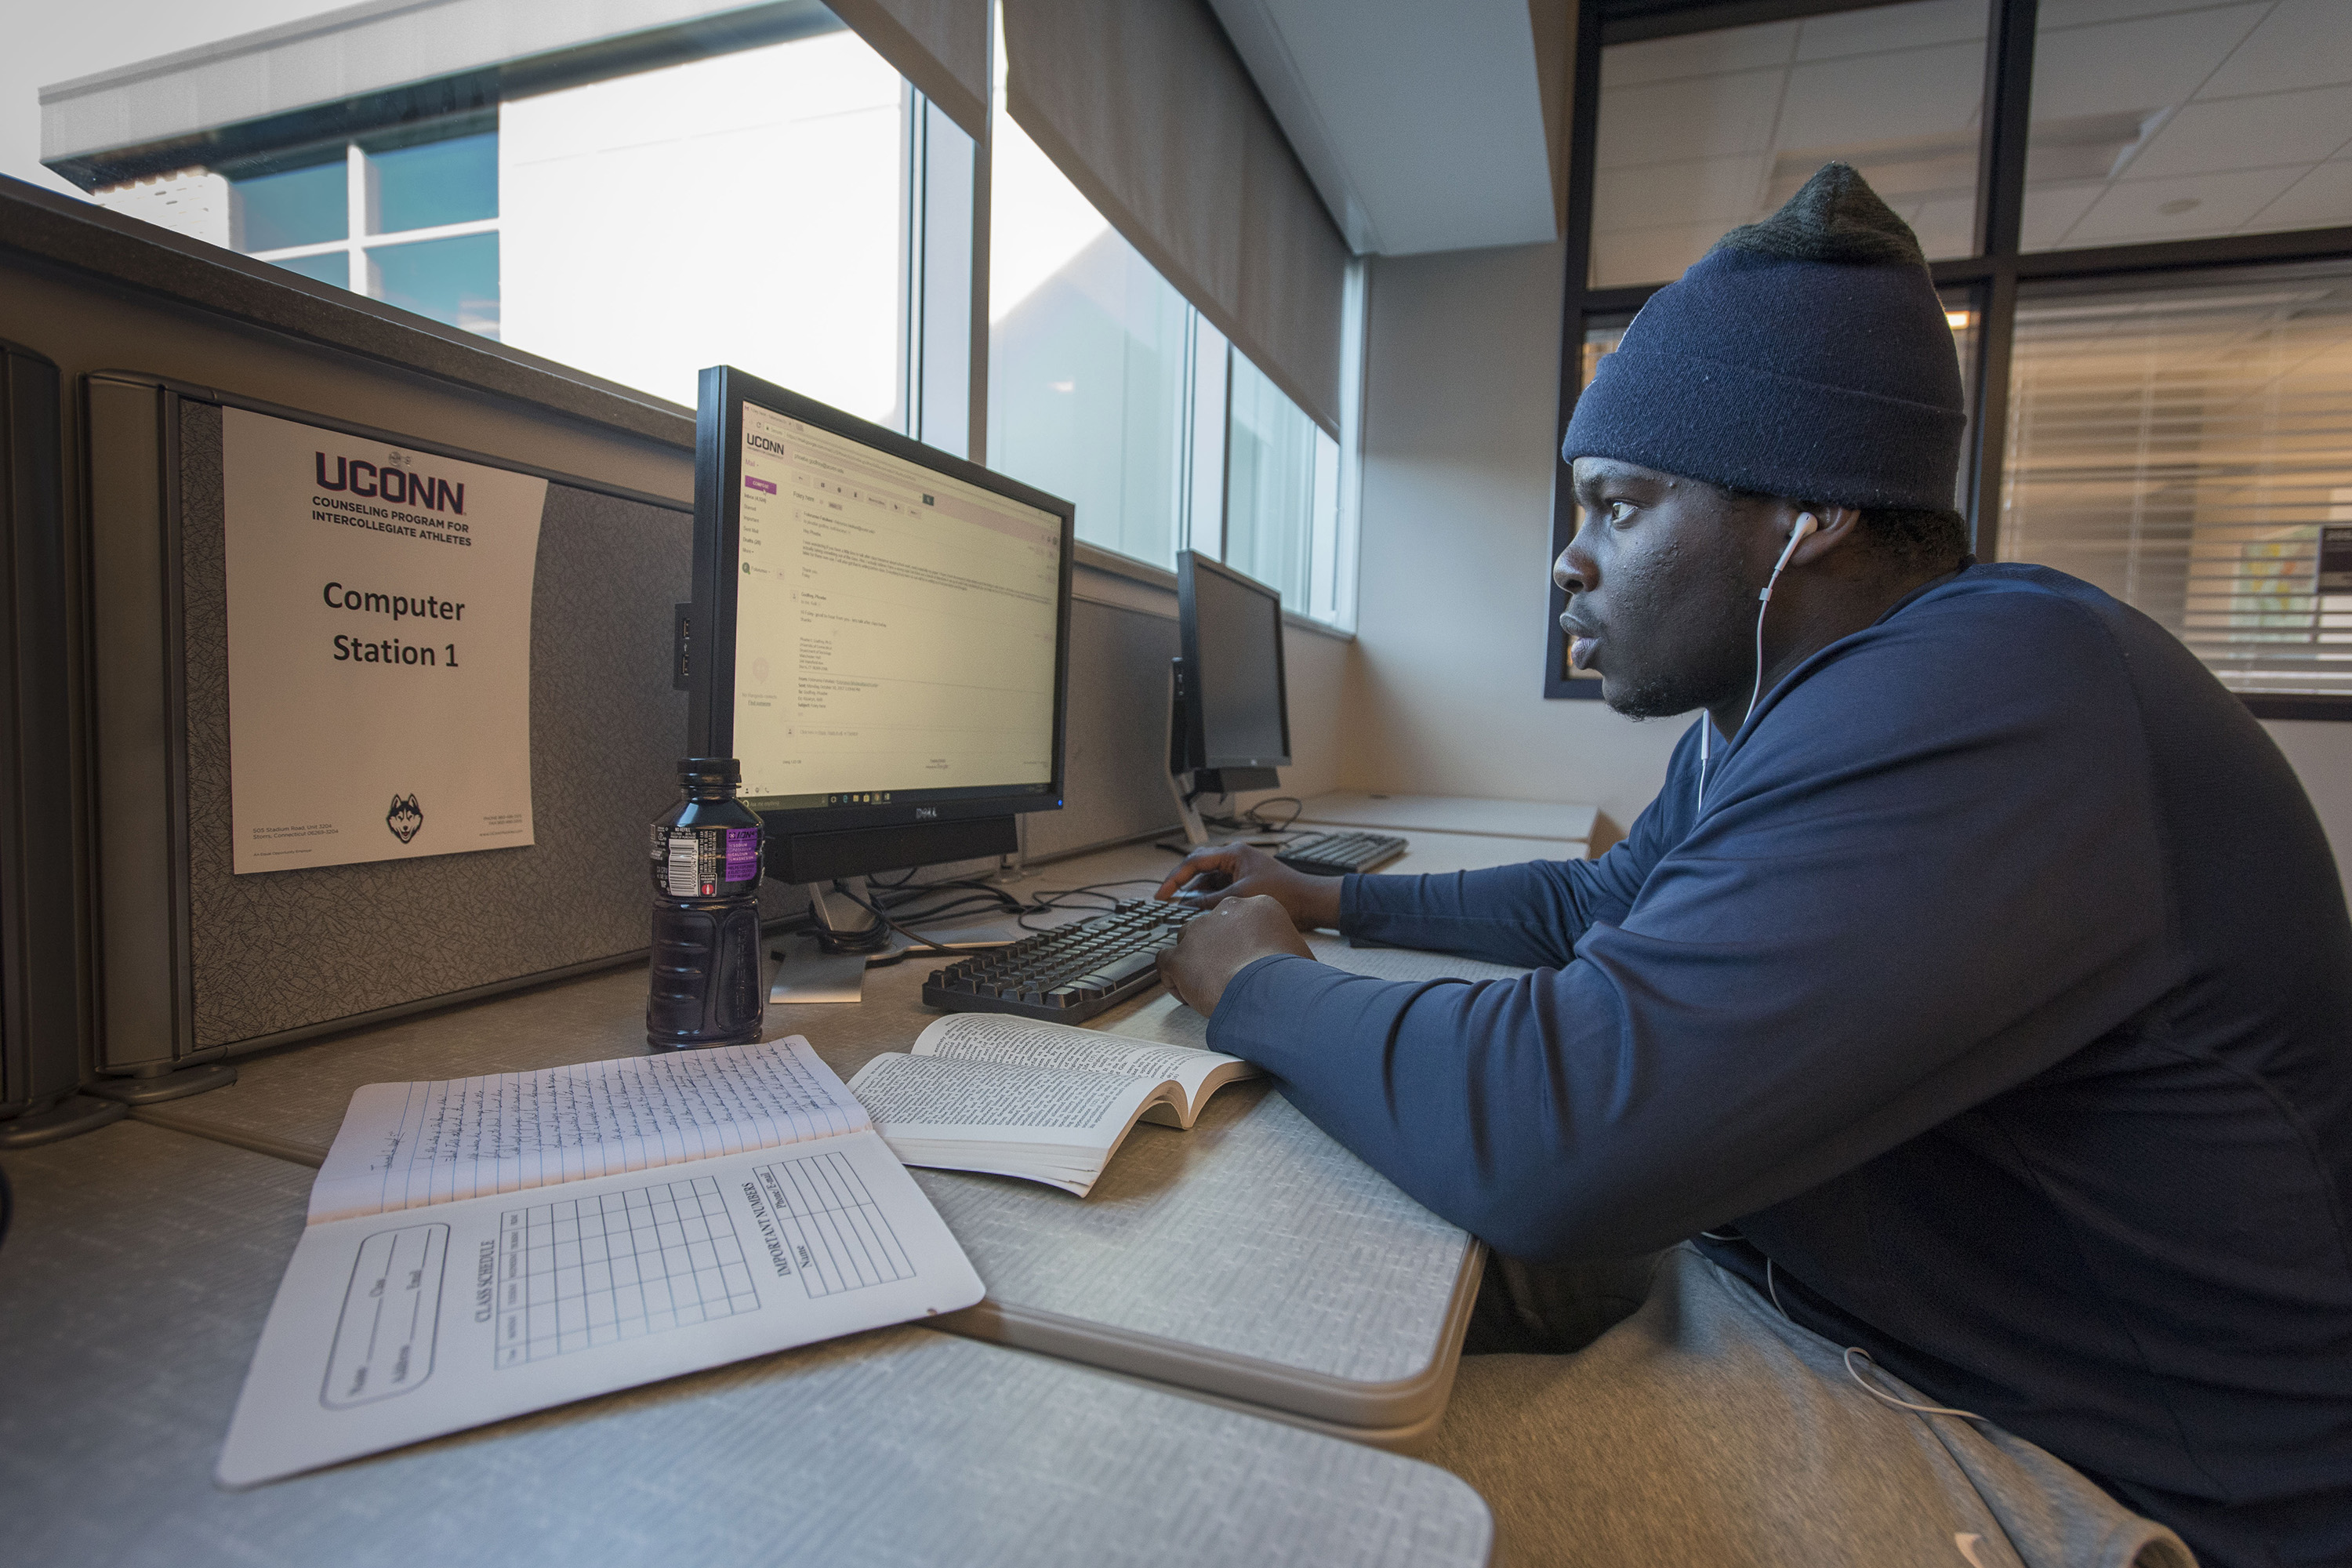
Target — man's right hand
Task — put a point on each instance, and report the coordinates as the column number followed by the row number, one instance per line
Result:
column 1206, row 877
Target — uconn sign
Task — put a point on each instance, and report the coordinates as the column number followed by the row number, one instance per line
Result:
column 390, row 482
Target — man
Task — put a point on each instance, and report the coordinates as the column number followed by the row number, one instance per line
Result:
column 1976, row 998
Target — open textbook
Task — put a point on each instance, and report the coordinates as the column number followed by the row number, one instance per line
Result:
column 482, row 1248
column 981, row 1091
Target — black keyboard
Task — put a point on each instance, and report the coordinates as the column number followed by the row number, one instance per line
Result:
column 1337, row 854
column 1069, row 973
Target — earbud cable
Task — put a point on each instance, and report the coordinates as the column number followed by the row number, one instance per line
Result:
column 1853, row 1352
column 1805, row 525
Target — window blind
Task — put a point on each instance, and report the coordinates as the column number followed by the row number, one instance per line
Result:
column 941, row 46
column 1144, row 105
column 2187, row 449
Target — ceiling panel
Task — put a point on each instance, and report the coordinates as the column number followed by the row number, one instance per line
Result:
column 1690, row 117
column 2137, row 66
column 2137, row 210
column 2250, row 134
column 1884, row 27
column 1698, row 54
column 2321, row 199
column 2303, row 43
column 1903, row 95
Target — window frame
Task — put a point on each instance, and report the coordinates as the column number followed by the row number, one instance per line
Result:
column 358, row 240
column 1989, row 277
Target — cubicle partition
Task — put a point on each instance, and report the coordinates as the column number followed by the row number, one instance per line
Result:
column 42, row 913
column 199, row 962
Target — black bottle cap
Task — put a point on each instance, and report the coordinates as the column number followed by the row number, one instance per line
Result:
column 709, row 770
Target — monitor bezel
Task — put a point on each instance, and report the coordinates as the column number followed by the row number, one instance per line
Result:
column 717, row 533
column 1188, row 563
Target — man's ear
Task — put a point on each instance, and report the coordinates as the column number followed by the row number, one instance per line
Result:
column 1834, row 526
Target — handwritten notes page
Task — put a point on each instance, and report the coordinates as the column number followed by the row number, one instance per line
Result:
column 570, row 1232
column 403, row 1145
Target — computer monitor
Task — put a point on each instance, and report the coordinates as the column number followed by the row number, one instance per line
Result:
column 880, row 633
column 1229, row 718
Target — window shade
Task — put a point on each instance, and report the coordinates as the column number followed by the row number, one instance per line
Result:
column 941, row 46
column 2187, row 449
column 1147, row 108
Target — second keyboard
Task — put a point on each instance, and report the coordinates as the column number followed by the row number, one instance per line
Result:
column 1337, row 854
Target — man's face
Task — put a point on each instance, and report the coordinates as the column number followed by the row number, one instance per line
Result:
column 1662, row 593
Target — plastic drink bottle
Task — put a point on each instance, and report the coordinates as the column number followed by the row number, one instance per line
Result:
column 704, row 986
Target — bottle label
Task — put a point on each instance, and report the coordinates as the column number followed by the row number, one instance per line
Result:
column 692, row 862
column 686, row 867
column 742, row 853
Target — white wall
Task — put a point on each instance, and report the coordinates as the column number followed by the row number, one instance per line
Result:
column 1446, row 689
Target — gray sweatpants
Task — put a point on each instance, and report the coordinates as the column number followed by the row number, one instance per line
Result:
column 1706, row 1429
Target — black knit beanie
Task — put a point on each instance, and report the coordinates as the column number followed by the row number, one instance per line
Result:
column 1805, row 356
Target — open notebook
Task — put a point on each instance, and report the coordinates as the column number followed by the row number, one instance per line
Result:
column 482, row 1248
column 1015, row 1097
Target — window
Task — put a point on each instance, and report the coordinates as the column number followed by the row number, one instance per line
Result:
column 1704, row 131
column 1282, row 493
column 1105, row 385
column 755, row 186
column 1088, row 359
column 745, row 209
column 2156, row 121
column 2172, row 423
column 637, row 227
column 410, row 218
column 2185, row 448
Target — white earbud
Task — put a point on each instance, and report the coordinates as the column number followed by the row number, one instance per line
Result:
column 1807, row 523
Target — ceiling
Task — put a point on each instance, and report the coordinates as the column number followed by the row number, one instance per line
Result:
column 1424, row 127
column 2152, row 120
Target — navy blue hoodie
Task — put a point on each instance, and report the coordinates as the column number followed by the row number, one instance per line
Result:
column 2002, row 996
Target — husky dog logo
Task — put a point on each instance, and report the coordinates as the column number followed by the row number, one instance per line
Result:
column 404, row 818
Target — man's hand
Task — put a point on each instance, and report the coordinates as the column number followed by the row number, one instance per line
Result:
column 1221, row 943
column 1209, row 877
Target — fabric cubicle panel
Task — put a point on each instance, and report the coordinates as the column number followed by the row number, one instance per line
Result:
column 1117, row 766
column 205, row 962
column 41, row 900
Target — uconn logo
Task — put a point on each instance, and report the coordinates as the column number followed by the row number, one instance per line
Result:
column 765, row 445
column 387, row 482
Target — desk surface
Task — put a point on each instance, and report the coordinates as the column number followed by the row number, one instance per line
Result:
column 1251, row 1259
column 1549, row 820
column 132, row 1289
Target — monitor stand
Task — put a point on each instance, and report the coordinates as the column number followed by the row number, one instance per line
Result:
column 1188, row 784
column 811, row 969
column 1195, row 833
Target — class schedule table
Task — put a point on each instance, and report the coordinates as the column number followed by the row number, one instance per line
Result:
column 1251, row 1259
column 142, row 1263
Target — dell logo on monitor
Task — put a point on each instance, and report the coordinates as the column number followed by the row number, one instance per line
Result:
column 926, row 814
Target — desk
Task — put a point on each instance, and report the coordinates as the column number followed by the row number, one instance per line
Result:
column 1550, row 823
column 132, row 1289
column 1251, row 1259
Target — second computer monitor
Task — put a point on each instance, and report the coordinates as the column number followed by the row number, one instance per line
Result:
column 1235, row 715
